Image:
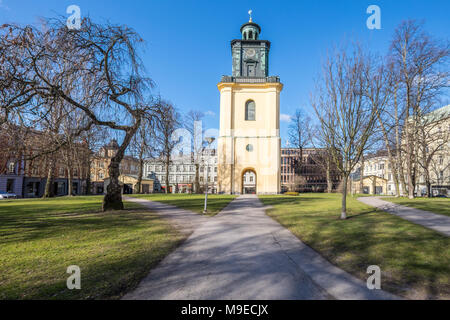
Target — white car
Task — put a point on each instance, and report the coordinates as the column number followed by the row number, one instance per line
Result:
column 7, row 195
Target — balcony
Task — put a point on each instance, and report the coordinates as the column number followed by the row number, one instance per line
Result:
column 229, row 79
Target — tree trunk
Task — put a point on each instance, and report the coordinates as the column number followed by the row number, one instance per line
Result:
column 197, row 178
column 69, row 182
column 398, row 146
column 361, row 178
column 344, row 198
column 113, row 197
column 140, row 174
column 428, row 182
column 141, row 167
column 167, row 172
column 374, row 185
column 48, row 184
column 329, row 181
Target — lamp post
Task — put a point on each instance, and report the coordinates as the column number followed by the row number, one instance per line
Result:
column 209, row 140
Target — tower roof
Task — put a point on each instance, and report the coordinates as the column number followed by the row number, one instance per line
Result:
column 250, row 23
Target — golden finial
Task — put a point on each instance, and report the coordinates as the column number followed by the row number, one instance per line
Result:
column 250, row 13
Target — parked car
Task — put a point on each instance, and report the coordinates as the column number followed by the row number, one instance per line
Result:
column 7, row 195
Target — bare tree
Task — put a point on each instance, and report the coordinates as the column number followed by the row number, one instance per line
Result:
column 110, row 83
column 143, row 147
column 300, row 136
column 167, row 125
column 421, row 71
column 346, row 116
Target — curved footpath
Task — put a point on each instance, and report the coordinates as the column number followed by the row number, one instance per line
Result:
column 244, row 254
column 436, row 222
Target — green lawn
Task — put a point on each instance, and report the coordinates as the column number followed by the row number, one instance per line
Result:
column 39, row 239
column 436, row 205
column 415, row 261
column 193, row 202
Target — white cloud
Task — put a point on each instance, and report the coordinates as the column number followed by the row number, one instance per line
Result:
column 285, row 117
column 210, row 113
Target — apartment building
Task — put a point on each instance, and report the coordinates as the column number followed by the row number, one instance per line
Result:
column 182, row 171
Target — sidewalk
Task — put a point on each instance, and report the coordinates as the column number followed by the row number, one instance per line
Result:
column 430, row 220
column 243, row 254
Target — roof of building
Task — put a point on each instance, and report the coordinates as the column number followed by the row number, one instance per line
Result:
column 438, row 114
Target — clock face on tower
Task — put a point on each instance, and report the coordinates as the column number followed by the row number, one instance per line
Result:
column 250, row 53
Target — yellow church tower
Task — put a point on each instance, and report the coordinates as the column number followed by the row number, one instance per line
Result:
column 249, row 139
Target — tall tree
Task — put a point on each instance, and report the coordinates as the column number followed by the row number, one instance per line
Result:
column 420, row 63
column 346, row 116
column 143, row 147
column 40, row 63
column 166, row 126
column 299, row 136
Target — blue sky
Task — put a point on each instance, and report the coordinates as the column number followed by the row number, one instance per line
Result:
column 188, row 42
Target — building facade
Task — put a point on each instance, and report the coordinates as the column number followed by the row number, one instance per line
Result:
column 308, row 174
column 182, row 171
column 24, row 169
column 377, row 174
column 101, row 161
column 249, row 137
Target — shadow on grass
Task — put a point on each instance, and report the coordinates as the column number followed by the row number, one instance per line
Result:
column 413, row 259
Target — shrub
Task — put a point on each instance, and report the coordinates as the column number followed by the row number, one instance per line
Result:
column 291, row 193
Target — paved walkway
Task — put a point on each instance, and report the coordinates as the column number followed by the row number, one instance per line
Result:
column 436, row 222
column 244, row 254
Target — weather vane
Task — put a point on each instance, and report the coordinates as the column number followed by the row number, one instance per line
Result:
column 250, row 13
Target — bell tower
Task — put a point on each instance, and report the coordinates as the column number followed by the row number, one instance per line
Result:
column 249, row 140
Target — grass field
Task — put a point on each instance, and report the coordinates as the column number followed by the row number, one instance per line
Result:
column 39, row 239
column 436, row 205
column 193, row 202
column 414, row 260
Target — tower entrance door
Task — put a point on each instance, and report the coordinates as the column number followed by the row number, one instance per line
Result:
column 249, row 182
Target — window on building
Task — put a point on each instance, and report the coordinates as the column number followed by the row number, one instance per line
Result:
column 12, row 167
column 100, row 175
column 250, row 111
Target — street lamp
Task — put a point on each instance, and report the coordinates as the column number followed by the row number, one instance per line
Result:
column 209, row 140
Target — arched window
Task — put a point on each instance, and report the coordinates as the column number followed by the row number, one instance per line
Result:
column 250, row 111
column 250, row 36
